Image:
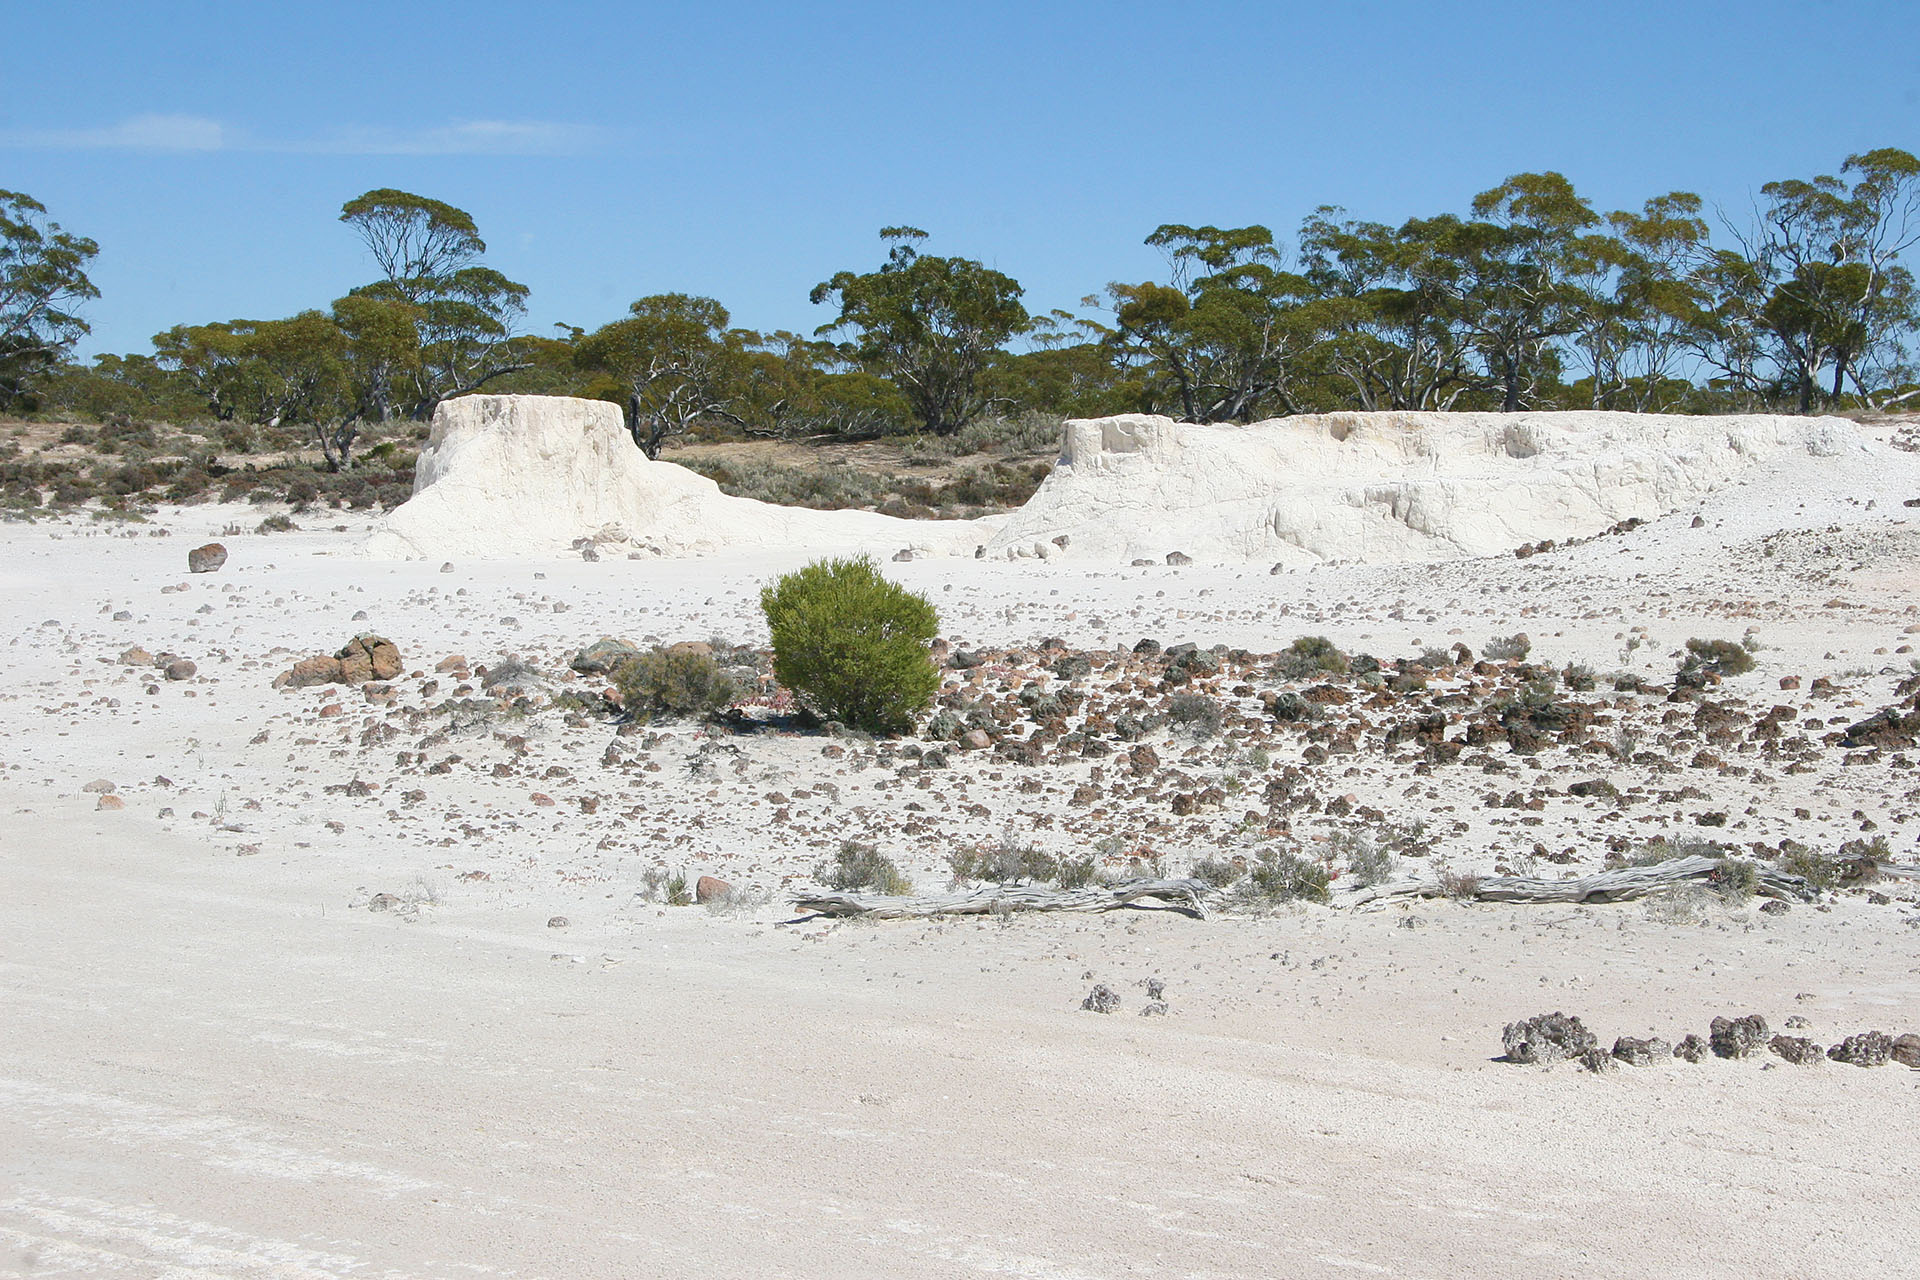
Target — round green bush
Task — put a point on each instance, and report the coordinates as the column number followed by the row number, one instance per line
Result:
column 672, row 682
column 852, row 645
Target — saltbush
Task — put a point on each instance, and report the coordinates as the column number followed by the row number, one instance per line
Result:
column 1309, row 656
column 861, row 866
column 852, row 645
column 672, row 682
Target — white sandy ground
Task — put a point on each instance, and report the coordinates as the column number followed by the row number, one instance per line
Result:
column 216, row 1062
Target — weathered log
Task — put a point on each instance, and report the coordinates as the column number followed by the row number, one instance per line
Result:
column 1620, row 885
column 1184, row 896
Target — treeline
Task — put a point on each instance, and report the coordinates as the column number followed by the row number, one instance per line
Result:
column 1530, row 299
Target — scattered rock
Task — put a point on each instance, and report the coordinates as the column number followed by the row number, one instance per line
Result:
column 99, row 786
column 598, row 658
column 181, row 669
column 1548, row 1037
column 1691, row 1049
column 1178, row 558
column 1102, row 999
column 1596, row 1060
column 312, row 671
column 557, row 922
column 1798, row 1050
column 110, row 802
column 975, row 740
column 1738, row 1037
column 1774, row 907
column 136, row 657
column 711, row 889
column 206, row 559
column 1867, row 1049
column 1641, row 1053
column 453, row 662
column 369, row 658
column 382, row 902
column 1906, row 1050
column 1154, row 1009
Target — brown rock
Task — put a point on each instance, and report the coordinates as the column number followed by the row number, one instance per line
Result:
column 454, row 662
column 710, row 889
column 110, row 802
column 975, row 740
column 206, row 559
column 330, row 710
column 542, row 799
column 1906, row 1050
column 312, row 671
column 369, row 658
column 136, row 657
column 1143, row 760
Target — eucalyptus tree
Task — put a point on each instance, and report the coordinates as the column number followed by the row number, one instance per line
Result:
column 464, row 312
column 930, row 325
column 1824, row 279
column 1389, row 300
column 43, row 284
column 674, row 361
column 1527, row 258
column 1225, row 339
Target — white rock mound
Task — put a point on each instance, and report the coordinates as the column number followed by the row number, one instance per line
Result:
column 507, row 477
column 1383, row 487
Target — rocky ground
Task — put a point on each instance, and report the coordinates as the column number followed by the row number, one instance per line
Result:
column 318, row 934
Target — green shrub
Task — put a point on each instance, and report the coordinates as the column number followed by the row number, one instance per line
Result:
column 1284, row 877
column 1309, row 656
column 1712, row 658
column 1513, row 648
column 1196, row 713
column 1819, row 871
column 852, row 645
column 861, row 866
column 663, row 682
column 1736, row 879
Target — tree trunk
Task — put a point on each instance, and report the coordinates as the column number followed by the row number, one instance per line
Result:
column 1183, row 896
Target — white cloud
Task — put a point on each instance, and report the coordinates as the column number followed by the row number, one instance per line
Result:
column 182, row 133
column 465, row 138
column 135, row 133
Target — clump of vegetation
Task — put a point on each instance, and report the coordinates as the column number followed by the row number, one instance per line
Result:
column 1735, row 879
column 1196, row 713
column 1010, row 862
column 1279, row 876
column 1579, row 677
column 1369, row 861
column 1708, row 661
column 667, row 682
column 862, row 866
column 852, row 645
column 1309, row 656
column 1217, row 872
column 1513, row 648
column 657, row 884
column 1818, row 870
column 1461, row 885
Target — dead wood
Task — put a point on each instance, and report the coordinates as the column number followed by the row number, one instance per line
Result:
column 1184, row 896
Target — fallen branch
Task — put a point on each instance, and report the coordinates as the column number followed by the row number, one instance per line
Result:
column 1183, row 896
column 1621, row 885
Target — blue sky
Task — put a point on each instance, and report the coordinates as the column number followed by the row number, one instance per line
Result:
column 747, row 151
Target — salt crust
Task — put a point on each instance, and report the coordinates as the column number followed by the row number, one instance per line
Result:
column 528, row 476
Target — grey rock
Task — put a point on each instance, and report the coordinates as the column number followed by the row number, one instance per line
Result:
column 1691, row 1049
column 1867, row 1049
column 1641, row 1053
column 1738, row 1037
column 206, row 559
column 1547, row 1037
column 1798, row 1050
column 1102, row 999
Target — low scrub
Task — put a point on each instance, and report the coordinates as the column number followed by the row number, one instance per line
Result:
column 667, row 682
column 862, row 866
